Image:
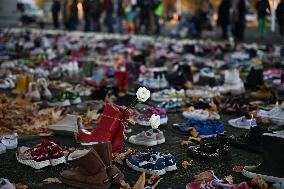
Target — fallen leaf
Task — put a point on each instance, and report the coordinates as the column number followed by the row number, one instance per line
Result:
column 52, row 180
column 186, row 142
column 122, row 156
column 154, row 177
column 238, row 169
column 124, row 185
column 55, row 115
column 140, row 182
column 156, row 184
column 229, row 179
column 92, row 114
column 20, row 186
column 194, row 133
column 186, row 164
column 203, row 176
column 259, row 182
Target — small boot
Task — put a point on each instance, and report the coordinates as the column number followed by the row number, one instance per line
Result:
column 104, row 150
column 90, row 172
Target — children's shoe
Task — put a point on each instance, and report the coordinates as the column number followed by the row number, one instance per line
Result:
column 60, row 100
column 212, row 149
column 10, row 141
column 147, row 162
column 243, row 122
column 33, row 91
column 45, row 92
column 34, row 157
column 3, row 149
column 56, row 154
column 74, row 97
column 6, row 184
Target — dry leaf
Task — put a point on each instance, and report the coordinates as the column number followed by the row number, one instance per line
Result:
column 194, row 133
column 229, row 179
column 259, row 182
column 122, row 156
column 186, row 142
column 238, row 169
column 140, row 182
column 186, row 164
column 92, row 114
column 55, row 115
column 20, row 186
column 52, row 180
column 156, row 184
column 203, row 176
column 154, row 177
column 124, row 185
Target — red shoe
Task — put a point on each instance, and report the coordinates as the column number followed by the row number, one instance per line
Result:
column 56, row 155
column 110, row 128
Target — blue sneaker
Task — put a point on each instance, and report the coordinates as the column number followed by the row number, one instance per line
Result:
column 185, row 127
column 218, row 127
column 170, row 162
column 170, row 105
column 204, row 129
column 147, row 162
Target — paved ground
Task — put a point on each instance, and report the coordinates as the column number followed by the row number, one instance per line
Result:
column 11, row 169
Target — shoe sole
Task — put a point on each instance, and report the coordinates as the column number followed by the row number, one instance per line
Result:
column 267, row 178
column 82, row 185
column 163, row 121
column 57, row 161
column 231, row 123
column 171, row 168
column 150, row 172
column 152, row 143
column 34, row 164
column 76, row 101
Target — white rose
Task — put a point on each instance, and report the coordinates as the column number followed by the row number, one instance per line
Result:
column 155, row 121
column 142, row 94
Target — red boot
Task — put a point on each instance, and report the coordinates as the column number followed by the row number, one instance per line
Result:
column 110, row 128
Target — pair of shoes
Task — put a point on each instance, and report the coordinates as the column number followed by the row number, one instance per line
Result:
column 92, row 168
column 144, row 113
column 110, row 127
column 65, row 99
column 151, row 137
column 233, row 83
column 271, row 168
column 167, row 94
column 152, row 162
column 215, row 183
column 243, row 122
column 252, row 140
column 212, row 149
column 8, row 142
column 171, row 105
column 205, row 128
column 200, row 114
column 7, row 83
column 41, row 155
column 6, row 184
column 38, row 90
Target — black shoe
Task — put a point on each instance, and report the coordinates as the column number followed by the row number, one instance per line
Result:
column 212, row 149
column 272, row 167
column 251, row 141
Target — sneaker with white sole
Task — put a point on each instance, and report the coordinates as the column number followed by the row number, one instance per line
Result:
column 243, row 122
column 10, row 141
column 151, row 137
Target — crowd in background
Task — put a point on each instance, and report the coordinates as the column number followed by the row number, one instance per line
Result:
column 145, row 16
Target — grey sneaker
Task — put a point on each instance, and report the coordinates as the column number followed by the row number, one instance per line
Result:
column 5, row 184
column 68, row 125
column 3, row 148
column 151, row 137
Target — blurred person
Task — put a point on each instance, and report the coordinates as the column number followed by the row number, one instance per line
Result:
column 74, row 17
column 108, row 8
column 87, row 8
column 263, row 9
column 96, row 12
column 239, row 19
column 130, row 18
column 280, row 18
column 145, row 15
column 224, row 17
column 158, row 9
column 119, row 15
column 55, row 9
column 66, row 14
